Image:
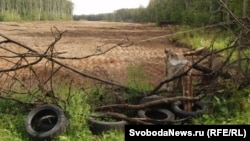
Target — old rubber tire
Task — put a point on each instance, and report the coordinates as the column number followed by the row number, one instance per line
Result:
column 198, row 109
column 46, row 122
column 154, row 98
column 160, row 116
column 97, row 126
column 149, row 99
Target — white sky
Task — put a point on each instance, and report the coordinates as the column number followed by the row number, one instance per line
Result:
column 104, row 6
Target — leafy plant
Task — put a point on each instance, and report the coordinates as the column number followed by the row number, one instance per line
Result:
column 228, row 108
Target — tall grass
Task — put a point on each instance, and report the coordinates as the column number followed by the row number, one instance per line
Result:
column 76, row 103
column 232, row 105
column 137, row 78
column 13, row 115
column 216, row 38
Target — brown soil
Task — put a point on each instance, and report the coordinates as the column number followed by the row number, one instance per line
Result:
column 83, row 38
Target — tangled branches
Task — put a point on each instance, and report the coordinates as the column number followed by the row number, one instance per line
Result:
column 19, row 75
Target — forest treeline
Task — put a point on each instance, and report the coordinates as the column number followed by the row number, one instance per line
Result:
column 188, row 12
column 15, row 10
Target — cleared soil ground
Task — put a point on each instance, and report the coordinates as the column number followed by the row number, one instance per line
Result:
column 84, row 38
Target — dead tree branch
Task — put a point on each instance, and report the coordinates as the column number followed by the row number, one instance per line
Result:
column 195, row 65
column 233, row 16
column 148, row 104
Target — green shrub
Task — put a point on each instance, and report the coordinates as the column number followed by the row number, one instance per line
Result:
column 10, row 16
column 231, row 107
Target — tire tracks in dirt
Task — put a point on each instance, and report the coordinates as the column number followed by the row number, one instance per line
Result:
column 82, row 38
column 116, row 63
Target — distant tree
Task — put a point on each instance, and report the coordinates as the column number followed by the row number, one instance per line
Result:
column 35, row 9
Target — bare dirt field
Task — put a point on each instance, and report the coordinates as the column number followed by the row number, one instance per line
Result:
column 84, row 38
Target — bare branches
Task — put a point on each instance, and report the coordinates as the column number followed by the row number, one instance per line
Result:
column 148, row 104
column 144, row 121
column 8, row 40
column 20, row 75
column 233, row 16
column 23, row 57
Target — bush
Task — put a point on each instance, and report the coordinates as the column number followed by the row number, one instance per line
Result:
column 227, row 108
column 10, row 16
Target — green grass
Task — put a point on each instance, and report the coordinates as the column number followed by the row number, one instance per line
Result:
column 231, row 106
column 228, row 108
column 76, row 102
column 216, row 38
column 12, row 119
column 232, row 110
column 137, row 78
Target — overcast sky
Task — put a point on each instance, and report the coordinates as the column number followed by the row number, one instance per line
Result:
column 105, row 6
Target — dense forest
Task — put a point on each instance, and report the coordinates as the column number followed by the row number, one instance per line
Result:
column 14, row 10
column 191, row 12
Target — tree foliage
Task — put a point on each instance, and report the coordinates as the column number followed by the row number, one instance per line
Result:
column 189, row 12
column 35, row 10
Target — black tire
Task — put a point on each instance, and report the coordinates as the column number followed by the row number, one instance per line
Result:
column 160, row 116
column 198, row 109
column 98, row 127
column 153, row 98
column 149, row 99
column 46, row 122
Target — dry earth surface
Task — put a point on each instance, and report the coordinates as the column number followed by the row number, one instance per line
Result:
column 84, row 38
